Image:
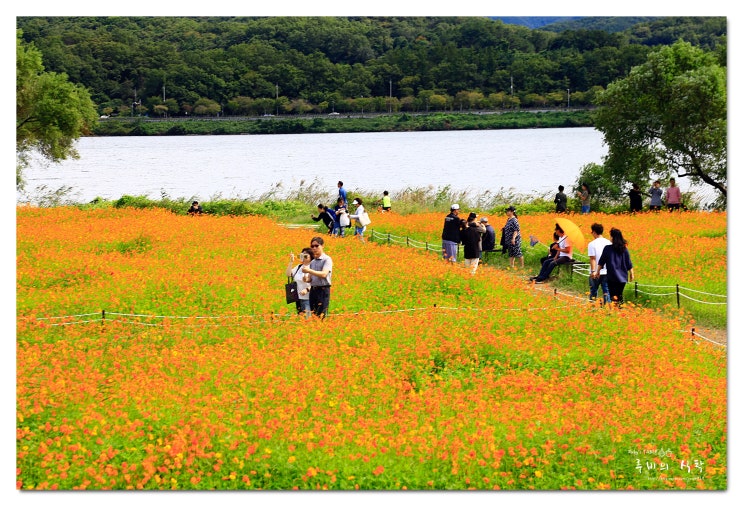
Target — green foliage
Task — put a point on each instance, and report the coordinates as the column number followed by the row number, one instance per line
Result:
column 137, row 202
column 139, row 244
column 384, row 123
column 667, row 118
column 180, row 66
column 51, row 112
column 221, row 207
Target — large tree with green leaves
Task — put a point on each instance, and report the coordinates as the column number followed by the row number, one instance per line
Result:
column 667, row 117
column 51, row 112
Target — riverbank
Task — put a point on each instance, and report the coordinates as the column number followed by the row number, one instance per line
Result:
column 352, row 123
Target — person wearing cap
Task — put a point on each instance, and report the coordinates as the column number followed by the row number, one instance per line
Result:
column 512, row 237
column 488, row 238
column 451, row 237
column 195, row 208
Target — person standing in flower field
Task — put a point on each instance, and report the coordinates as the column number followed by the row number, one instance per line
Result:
column 673, row 196
column 359, row 227
column 595, row 248
column 635, row 199
column 619, row 269
column 585, row 199
column 341, row 212
column 488, row 238
column 561, row 200
column 195, row 208
column 656, row 196
column 472, row 242
column 342, row 193
column 302, row 279
column 320, row 271
column 512, row 236
column 451, row 235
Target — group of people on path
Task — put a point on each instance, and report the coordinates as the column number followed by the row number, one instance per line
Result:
column 478, row 236
column 338, row 218
column 672, row 198
column 609, row 260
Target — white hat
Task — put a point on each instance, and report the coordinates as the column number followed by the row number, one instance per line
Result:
column 355, row 202
column 484, row 219
column 454, row 207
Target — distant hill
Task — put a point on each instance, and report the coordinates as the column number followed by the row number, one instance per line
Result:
column 534, row 21
column 609, row 24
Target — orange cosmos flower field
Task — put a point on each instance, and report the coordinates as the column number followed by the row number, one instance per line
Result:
column 155, row 351
column 668, row 249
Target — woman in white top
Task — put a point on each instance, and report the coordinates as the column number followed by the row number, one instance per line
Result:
column 359, row 211
column 303, row 281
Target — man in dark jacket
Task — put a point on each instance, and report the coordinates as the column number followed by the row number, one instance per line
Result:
column 488, row 239
column 472, row 242
column 450, row 237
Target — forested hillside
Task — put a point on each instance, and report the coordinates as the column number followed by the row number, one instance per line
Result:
column 175, row 66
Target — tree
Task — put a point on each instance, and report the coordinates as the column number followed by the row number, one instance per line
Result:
column 51, row 112
column 668, row 116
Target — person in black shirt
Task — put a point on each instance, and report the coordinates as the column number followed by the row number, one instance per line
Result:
column 195, row 208
column 635, row 199
column 561, row 200
column 450, row 237
column 328, row 217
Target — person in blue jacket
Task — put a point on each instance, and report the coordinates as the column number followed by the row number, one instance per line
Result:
column 328, row 216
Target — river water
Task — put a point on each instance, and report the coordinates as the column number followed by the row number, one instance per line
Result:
column 526, row 161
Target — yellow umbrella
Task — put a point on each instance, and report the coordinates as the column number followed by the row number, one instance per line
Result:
column 575, row 236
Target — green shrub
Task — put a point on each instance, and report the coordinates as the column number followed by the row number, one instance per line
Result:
column 139, row 202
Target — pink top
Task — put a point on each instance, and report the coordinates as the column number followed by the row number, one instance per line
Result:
column 673, row 195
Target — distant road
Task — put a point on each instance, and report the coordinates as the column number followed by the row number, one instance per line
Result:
column 350, row 115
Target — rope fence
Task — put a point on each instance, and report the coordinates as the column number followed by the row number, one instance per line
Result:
column 581, row 266
column 254, row 319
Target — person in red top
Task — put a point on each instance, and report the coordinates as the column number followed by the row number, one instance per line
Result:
column 673, row 196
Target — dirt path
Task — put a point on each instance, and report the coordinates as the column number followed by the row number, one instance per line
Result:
column 710, row 334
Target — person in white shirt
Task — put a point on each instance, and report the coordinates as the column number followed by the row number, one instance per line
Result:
column 355, row 216
column 302, row 279
column 595, row 248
